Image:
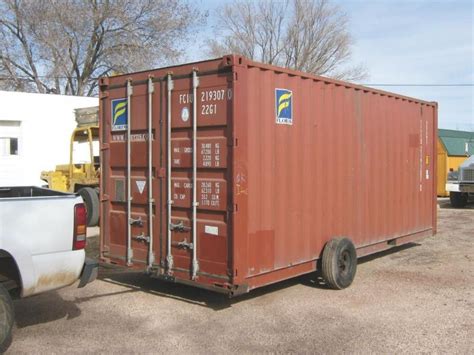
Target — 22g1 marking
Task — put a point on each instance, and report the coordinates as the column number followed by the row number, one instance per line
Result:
column 209, row 109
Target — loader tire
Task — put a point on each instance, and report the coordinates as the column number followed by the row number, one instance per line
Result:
column 339, row 263
column 7, row 317
column 91, row 200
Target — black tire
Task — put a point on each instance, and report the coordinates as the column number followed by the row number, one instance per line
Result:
column 458, row 199
column 91, row 200
column 7, row 317
column 339, row 263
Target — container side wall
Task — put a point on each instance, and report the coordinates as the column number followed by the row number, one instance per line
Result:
column 353, row 162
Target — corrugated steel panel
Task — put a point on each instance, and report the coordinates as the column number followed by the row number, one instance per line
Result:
column 285, row 162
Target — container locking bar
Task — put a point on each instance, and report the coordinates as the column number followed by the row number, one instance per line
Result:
column 179, row 227
column 142, row 238
column 129, row 177
column 184, row 244
column 151, row 255
column 195, row 203
column 169, row 257
column 136, row 222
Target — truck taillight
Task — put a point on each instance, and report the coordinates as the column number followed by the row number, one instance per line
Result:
column 80, row 227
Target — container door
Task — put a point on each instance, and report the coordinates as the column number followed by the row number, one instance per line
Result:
column 130, row 167
column 198, row 209
column 165, row 175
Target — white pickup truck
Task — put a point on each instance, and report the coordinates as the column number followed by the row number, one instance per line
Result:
column 42, row 241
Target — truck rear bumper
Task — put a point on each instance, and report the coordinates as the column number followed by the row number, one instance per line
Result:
column 89, row 272
column 456, row 187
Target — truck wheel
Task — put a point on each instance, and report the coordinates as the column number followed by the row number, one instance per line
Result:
column 7, row 317
column 339, row 263
column 91, row 200
column 458, row 199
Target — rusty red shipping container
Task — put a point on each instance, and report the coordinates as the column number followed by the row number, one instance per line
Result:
column 230, row 174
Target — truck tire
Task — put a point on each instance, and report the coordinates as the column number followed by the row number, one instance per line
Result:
column 339, row 263
column 7, row 316
column 458, row 199
column 91, row 200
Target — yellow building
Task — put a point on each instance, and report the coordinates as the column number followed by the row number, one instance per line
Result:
column 453, row 148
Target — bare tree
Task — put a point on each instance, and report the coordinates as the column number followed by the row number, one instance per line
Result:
column 64, row 45
column 251, row 29
column 310, row 36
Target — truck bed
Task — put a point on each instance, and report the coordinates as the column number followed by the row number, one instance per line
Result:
column 28, row 191
column 36, row 230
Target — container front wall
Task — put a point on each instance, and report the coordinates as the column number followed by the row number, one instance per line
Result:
column 213, row 163
column 353, row 163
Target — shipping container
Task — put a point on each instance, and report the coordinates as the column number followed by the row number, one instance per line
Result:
column 229, row 174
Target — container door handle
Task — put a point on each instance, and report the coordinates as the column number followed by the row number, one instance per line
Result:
column 195, row 203
column 151, row 255
column 129, row 177
column 169, row 256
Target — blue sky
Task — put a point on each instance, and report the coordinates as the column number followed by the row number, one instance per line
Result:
column 409, row 42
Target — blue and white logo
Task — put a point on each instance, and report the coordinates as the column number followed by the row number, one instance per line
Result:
column 119, row 114
column 284, row 106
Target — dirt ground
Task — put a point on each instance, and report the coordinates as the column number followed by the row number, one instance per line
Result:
column 418, row 298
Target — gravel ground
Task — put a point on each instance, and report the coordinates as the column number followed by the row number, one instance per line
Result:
column 417, row 299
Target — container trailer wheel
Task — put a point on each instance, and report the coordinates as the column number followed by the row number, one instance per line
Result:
column 91, row 200
column 339, row 263
column 7, row 317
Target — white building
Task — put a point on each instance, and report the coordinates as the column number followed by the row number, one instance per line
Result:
column 35, row 132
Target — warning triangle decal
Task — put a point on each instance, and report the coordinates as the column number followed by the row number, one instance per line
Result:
column 141, row 185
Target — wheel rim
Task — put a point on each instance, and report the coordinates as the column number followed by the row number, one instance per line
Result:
column 344, row 262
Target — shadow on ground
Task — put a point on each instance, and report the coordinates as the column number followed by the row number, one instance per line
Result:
column 387, row 252
column 44, row 308
column 140, row 282
column 51, row 306
column 444, row 203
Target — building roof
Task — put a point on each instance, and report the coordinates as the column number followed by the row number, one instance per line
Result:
column 455, row 141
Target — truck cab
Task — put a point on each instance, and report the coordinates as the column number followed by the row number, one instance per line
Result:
column 460, row 184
